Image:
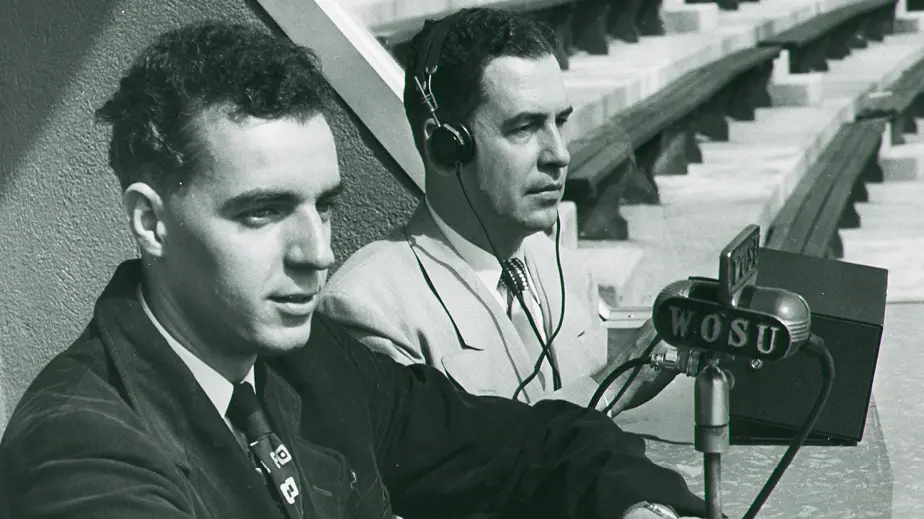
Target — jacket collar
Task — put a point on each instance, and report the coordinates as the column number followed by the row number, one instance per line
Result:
column 161, row 388
column 468, row 301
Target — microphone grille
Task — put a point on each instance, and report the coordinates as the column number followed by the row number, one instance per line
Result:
column 677, row 288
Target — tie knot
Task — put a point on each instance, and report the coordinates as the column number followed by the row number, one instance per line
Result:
column 514, row 276
column 246, row 414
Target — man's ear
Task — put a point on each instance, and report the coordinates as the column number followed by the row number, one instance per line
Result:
column 429, row 125
column 145, row 210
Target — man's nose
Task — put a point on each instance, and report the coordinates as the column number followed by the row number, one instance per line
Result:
column 308, row 242
column 555, row 149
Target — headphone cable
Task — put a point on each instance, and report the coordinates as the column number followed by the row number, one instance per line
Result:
column 561, row 318
column 546, row 345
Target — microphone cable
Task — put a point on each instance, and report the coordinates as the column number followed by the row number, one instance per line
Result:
column 546, row 352
column 816, row 348
column 637, row 363
column 546, row 345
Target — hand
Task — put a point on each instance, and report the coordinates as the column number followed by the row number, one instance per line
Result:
column 649, row 381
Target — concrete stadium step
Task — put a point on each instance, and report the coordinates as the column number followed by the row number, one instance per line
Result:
column 908, row 215
column 901, row 255
column 601, row 86
column 869, row 69
column 911, row 191
column 902, row 162
column 748, row 179
column 891, row 233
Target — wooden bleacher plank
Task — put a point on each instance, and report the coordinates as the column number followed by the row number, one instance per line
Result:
column 833, row 34
column 838, row 198
column 895, row 101
column 781, row 235
column 646, row 119
column 808, row 221
column 823, row 23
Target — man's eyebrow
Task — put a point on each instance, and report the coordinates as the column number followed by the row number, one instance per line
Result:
column 261, row 196
column 331, row 192
column 536, row 116
column 258, row 196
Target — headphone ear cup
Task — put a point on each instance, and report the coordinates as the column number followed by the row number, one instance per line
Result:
column 466, row 143
column 450, row 144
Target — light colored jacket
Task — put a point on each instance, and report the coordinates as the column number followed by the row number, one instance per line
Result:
column 397, row 294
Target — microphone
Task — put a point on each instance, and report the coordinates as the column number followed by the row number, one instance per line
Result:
column 760, row 323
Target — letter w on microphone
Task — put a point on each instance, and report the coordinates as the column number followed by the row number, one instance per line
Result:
column 707, row 325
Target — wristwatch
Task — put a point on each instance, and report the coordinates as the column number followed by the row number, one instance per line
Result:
column 658, row 510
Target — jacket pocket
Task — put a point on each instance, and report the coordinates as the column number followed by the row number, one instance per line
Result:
column 326, row 476
column 472, row 370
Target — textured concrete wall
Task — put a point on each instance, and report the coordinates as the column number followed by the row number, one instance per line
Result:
column 61, row 232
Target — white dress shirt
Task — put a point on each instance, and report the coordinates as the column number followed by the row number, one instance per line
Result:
column 488, row 270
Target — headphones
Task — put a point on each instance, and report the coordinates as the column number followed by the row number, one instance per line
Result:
column 450, row 145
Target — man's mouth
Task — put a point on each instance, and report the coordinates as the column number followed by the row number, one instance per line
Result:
column 294, row 298
column 548, row 188
column 299, row 305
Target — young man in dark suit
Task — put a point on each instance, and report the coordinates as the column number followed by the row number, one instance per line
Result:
column 205, row 385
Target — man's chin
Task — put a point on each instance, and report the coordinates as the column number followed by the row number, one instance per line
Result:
column 542, row 221
column 285, row 340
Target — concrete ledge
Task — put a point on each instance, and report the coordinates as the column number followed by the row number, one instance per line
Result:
column 797, row 90
column 612, row 265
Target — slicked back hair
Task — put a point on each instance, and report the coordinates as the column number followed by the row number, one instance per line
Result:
column 474, row 38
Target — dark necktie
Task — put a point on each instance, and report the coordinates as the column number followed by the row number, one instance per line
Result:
column 515, row 278
column 247, row 415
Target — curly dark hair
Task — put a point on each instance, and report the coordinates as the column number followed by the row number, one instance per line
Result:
column 475, row 37
column 240, row 68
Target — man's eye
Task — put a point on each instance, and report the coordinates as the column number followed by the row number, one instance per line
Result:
column 523, row 129
column 326, row 208
column 259, row 217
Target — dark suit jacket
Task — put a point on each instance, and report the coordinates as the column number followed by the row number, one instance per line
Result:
column 117, row 427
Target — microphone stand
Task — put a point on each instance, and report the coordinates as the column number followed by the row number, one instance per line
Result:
column 711, row 412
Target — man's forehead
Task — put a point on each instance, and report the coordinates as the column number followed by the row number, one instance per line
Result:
column 253, row 154
column 514, row 84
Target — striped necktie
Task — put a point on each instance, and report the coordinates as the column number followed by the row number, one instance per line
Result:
column 246, row 414
column 515, row 279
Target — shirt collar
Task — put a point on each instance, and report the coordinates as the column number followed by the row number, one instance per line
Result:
column 216, row 387
column 482, row 262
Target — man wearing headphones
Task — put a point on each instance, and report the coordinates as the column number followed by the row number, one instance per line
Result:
column 471, row 284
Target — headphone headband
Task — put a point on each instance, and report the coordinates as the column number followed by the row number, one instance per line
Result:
column 450, row 144
column 428, row 61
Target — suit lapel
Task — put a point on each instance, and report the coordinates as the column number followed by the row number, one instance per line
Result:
column 543, row 268
column 179, row 414
column 481, row 321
